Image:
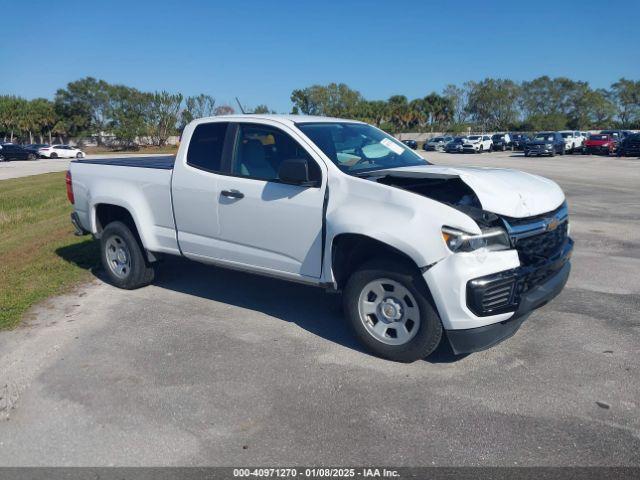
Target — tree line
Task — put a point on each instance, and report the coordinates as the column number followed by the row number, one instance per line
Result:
column 97, row 109
column 492, row 104
column 94, row 108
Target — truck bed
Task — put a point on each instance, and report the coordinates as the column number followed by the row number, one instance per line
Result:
column 161, row 162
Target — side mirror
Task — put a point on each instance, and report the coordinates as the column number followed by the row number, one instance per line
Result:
column 295, row 171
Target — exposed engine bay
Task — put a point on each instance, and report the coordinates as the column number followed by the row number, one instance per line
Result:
column 451, row 191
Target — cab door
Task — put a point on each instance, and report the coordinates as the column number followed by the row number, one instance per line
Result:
column 264, row 222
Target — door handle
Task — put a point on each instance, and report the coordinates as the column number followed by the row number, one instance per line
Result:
column 232, row 193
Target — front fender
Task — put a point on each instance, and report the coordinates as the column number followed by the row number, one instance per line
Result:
column 403, row 220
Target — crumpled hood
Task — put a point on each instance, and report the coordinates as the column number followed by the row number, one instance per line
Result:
column 500, row 190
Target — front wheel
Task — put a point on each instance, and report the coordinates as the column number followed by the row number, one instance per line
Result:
column 481, row 149
column 31, row 157
column 390, row 311
column 123, row 257
column 79, row 155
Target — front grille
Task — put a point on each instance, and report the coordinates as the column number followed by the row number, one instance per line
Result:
column 541, row 246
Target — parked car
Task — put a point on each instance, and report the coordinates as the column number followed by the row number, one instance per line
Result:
column 600, row 144
column 630, row 146
column 477, row 144
column 412, row 144
column 617, row 135
column 9, row 151
column 501, row 141
column 421, row 253
column 35, row 147
column 61, row 151
column 545, row 143
column 519, row 140
column 437, row 143
column 455, row 145
column 573, row 140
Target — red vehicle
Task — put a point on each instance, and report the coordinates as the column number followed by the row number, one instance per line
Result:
column 600, row 144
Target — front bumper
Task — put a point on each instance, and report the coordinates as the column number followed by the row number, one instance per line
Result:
column 538, row 150
column 597, row 150
column 522, row 290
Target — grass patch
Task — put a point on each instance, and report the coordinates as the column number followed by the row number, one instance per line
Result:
column 40, row 254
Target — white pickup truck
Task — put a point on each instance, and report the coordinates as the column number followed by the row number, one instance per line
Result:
column 418, row 251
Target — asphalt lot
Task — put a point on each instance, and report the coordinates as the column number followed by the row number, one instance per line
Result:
column 211, row 367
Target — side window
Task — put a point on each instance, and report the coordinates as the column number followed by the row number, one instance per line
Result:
column 486, row 138
column 260, row 150
column 205, row 147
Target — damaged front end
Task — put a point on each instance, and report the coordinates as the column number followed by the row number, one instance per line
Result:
column 541, row 241
column 452, row 191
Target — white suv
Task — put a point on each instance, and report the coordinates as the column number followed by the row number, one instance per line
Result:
column 477, row 144
column 573, row 140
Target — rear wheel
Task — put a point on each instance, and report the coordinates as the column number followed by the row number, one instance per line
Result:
column 123, row 257
column 79, row 155
column 389, row 309
column 53, row 155
column 481, row 149
column 31, row 156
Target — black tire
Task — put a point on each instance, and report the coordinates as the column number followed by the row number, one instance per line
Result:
column 1, row 158
column 139, row 272
column 53, row 155
column 79, row 155
column 562, row 150
column 526, row 154
column 481, row 149
column 429, row 333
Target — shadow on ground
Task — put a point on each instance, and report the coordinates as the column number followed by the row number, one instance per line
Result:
column 311, row 308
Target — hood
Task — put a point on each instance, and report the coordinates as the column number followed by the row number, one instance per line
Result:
column 540, row 142
column 597, row 142
column 502, row 191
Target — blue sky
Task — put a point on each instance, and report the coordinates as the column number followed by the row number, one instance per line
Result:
column 260, row 50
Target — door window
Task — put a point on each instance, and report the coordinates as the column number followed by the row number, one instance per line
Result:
column 206, row 146
column 260, row 150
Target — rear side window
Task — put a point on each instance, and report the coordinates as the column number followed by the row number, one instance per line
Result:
column 206, row 145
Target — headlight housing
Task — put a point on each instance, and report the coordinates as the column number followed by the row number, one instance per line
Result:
column 491, row 239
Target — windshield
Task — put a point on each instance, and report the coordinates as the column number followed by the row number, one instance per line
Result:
column 437, row 139
column 546, row 137
column 358, row 147
column 474, row 137
column 599, row 137
column 498, row 137
column 567, row 135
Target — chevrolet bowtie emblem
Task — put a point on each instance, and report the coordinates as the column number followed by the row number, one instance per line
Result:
column 552, row 224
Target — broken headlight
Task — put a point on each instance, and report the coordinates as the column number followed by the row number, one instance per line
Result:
column 491, row 239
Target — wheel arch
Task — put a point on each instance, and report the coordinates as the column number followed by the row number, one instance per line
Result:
column 350, row 250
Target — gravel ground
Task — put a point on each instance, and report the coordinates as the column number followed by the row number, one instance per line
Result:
column 211, row 367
